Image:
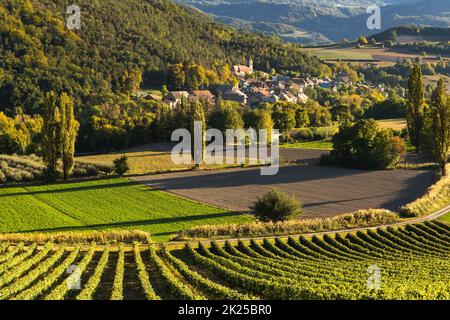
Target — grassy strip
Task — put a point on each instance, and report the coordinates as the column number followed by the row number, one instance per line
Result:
column 326, row 145
column 117, row 292
column 76, row 237
column 61, row 290
column 436, row 198
column 48, row 281
column 362, row 218
column 143, row 275
column 25, row 281
column 416, row 166
column 91, row 286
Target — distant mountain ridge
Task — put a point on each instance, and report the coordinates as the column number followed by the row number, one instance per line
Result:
column 321, row 22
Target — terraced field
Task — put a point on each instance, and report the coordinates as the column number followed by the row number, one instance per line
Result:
column 410, row 262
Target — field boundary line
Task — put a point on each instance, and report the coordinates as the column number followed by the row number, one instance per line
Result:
column 430, row 217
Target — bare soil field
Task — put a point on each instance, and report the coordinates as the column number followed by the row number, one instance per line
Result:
column 324, row 191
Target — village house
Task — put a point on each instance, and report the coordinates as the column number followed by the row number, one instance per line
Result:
column 173, row 98
column 279, row 78
column 153, row 97
column 302, row 98
column 220, row 89
column 236, row 96
column 243, row 71
column 142, row 94
column 288, row 97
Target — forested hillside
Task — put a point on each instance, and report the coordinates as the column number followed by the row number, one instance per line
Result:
column 120, row 41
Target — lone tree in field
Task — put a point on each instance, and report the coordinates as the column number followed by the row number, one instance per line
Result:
column 440, row 117
column 121, row 165
column 68, row 134
column 416, row 106
column 50, row 135
column 275, row 206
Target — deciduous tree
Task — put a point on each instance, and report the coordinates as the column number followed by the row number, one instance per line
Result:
column 440, row 117
column 416, row 106
column 50, row 135
column 68, row 134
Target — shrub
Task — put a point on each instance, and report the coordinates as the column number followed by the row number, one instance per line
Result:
column 276, row 206
column 362, row 41
column 319, row 135
column 286, row 139
column 388, row 150
column 121, row 165
column 304, row 134
column 365, row 145
column 16, row 169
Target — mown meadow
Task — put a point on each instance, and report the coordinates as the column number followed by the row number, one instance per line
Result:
column 103, row 204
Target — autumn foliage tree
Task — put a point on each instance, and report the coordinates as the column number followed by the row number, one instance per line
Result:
column 59, row 133
column 68, row 134
column 440, row 123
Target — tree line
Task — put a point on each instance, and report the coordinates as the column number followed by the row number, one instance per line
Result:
column 429, row 123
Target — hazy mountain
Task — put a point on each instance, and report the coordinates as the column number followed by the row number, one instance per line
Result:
column 314, row 21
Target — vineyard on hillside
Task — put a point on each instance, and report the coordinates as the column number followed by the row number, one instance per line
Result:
column 410, row 262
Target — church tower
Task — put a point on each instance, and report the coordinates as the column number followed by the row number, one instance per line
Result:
column 250, row 63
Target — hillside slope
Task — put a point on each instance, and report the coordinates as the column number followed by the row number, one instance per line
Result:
column 118, row 41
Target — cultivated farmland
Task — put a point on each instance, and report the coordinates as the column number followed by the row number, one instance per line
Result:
column 410, row 262
column 324, row 191
column 103, row 204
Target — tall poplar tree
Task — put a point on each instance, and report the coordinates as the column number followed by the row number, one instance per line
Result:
column 68, row 134
column 50, row 135
column 416, row 106
column 440, row 117
column 197, row 114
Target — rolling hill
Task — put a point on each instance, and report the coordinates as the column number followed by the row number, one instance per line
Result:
column 118, row 41
column 310, row 21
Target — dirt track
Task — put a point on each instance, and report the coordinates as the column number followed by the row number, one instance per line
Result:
column 324, row 191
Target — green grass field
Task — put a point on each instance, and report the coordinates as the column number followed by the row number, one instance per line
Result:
column 446, row 218
column 146, row 162
column 395, row 124
column 141, row 162
column 335, row 54
column 106, row 204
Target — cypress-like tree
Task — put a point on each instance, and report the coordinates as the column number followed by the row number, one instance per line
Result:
column 416, row 106
column 197, row 114
column 50, row 135
column 440, row 117
column 68, row 134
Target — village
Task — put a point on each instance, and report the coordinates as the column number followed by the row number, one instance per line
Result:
column 255, row 88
